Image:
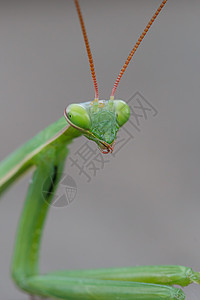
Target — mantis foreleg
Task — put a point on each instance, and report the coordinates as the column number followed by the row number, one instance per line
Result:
column 25, row 260
column 74, row 286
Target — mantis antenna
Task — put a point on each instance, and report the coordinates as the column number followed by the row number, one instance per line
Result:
column 87, row 45
column 128, row 58
column 135, row 48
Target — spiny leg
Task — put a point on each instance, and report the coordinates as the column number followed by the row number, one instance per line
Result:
column 166, row 275
column 94, row 289
column 49, row 167
column 25, row 263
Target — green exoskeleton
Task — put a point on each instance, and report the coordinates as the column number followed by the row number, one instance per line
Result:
column 99, row 121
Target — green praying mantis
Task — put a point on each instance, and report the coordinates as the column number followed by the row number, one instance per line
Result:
column 99, row 121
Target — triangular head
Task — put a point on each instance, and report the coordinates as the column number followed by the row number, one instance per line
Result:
column 99, row 120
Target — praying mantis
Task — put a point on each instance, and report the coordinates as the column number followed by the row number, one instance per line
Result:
column 47, row 152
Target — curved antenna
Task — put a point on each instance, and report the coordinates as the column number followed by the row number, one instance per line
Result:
column 88, row 50
column 135, row 48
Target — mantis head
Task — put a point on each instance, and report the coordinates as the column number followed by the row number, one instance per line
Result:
column 99, row 120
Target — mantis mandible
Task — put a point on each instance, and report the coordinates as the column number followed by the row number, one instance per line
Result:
column 99, row 121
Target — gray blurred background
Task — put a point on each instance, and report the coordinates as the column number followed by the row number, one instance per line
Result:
column 143, row 207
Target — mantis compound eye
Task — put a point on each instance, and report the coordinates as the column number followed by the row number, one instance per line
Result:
column 122, row 111
column 78, row 116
